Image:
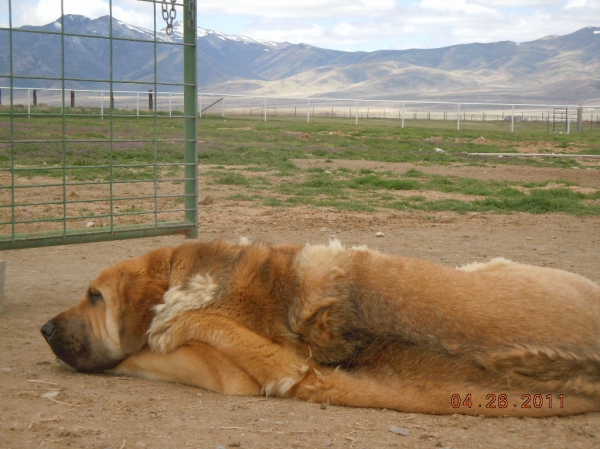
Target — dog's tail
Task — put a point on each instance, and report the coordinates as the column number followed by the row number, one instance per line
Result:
column 565, row 370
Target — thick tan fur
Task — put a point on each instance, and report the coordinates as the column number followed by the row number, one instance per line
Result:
column 344, row 326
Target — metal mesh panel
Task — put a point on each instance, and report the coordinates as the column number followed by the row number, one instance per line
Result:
column 87, row 158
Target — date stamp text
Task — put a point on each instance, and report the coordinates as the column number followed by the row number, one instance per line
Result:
column 503, row 401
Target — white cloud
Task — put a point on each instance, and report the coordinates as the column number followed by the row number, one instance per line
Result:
column 298, row 8
column 350, row 24
column 590, row 4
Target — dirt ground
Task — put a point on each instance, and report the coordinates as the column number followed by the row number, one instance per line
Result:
column 44, row 405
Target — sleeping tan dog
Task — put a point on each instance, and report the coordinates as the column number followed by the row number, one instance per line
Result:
column 343, row 326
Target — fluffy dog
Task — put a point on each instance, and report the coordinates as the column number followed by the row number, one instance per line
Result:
column 343, row 326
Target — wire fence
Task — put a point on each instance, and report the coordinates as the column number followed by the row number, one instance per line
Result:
column 67, row 177
column 448, row 115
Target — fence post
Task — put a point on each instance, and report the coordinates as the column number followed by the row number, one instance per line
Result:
column 137, row 107
column 458, row 117
column 200, row 106
column 512, row 119
column 568, row 122
column 265, row 109
column 102, row 104
column 0, row 97
column 402, row 115
column 308, row 110
column 170, row 103
column 2, row 282
column 34, row 97
column 356, row 112
column 72, row 98
column 579, row 118
column 150, row 102
column 28, row 103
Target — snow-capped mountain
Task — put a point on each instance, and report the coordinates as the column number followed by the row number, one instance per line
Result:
column 552, row 69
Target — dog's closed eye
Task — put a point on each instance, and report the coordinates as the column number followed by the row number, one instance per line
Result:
column 94, row 295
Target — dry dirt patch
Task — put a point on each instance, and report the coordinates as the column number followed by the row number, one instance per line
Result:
column 585, row 177
column 43, row 405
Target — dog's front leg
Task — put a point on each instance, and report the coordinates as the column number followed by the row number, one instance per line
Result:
column 275, row 367
column 194, row 364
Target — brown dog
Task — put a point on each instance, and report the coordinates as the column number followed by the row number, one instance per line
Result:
column 352, row 327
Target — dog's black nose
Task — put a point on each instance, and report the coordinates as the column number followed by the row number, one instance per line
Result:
column 48, row 329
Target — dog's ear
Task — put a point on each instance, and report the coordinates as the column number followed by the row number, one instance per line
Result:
column 140, row 295
column 140, row 291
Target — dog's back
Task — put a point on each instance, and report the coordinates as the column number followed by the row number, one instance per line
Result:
column 494, row 326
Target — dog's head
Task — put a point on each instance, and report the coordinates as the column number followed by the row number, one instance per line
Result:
column 111, row 320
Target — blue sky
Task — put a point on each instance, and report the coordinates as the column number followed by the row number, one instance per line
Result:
column 353, row 25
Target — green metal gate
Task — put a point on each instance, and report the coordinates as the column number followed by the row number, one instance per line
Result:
column 83, row 156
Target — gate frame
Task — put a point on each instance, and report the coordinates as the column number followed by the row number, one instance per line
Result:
column 189, row 225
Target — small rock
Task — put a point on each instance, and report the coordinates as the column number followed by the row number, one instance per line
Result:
column 439, row 150
column 399, row 431
column 379, row 234
column 51, row 394
column 89, row 224
column 323, row 406
column 207, row 201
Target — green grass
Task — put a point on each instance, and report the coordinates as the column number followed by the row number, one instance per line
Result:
column 369, row 192
column 253, row 159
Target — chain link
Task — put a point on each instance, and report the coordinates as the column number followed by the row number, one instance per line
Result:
column 192, row 6
column 169, row 15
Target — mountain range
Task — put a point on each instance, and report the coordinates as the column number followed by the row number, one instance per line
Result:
column 552, row 69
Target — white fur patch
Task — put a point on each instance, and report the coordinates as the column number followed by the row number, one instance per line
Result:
column 315, row 255
column 244, row 241
column 278, row 388
column 196, row 294
column 492, row 264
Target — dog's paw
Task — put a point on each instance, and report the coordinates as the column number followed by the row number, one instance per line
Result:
column 282, row 385
column 164, row 337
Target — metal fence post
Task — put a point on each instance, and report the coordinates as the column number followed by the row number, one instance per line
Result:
column 265, row 107
column 190, row 89
column 458, row 117
column 308, row 110
column 356, row 112
column 2, row 282
column 512, row 119
column 403, row 115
